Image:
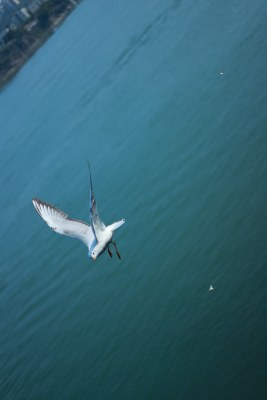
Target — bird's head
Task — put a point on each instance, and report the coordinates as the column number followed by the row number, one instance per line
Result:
column 98, row 249
column 94, row 255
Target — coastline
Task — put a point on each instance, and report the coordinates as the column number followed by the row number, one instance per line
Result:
column 38, row 38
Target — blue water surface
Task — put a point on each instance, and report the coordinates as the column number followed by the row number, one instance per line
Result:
column 167, row 99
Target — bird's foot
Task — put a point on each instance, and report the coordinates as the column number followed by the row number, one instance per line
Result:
column 118, row 254
column 109, row 252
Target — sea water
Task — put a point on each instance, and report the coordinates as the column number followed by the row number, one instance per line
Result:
column 167, row 100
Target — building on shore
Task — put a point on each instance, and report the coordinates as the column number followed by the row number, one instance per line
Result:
column 14, row 13
column 19, row 18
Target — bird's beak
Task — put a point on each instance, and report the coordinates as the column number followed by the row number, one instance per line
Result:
column 93, row 258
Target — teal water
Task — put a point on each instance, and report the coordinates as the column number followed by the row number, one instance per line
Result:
column 167, row 99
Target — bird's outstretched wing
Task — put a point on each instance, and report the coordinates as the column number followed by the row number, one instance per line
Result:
column 97, row 225
column 59, row 222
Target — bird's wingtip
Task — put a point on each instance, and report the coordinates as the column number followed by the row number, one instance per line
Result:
column 35, row 200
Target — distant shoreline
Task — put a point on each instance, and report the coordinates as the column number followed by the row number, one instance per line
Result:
column 18, row 50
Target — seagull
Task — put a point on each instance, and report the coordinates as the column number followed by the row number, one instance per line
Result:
column 96, row 236
column 211, row 288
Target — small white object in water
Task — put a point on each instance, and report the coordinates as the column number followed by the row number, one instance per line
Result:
column 221, row 73
column 211, row 288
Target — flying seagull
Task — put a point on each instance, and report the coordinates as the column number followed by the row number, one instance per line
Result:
column 96, row 236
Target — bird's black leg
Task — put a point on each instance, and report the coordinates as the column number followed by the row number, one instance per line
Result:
column 118, row 254
column 109, row 252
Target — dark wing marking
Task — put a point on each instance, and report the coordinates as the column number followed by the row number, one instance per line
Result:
column 95, row 222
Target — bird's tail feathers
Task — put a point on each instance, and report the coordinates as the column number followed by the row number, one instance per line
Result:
column 116, row 225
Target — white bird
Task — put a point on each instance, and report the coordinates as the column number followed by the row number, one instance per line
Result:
column 96, row 236
column 211, row 288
